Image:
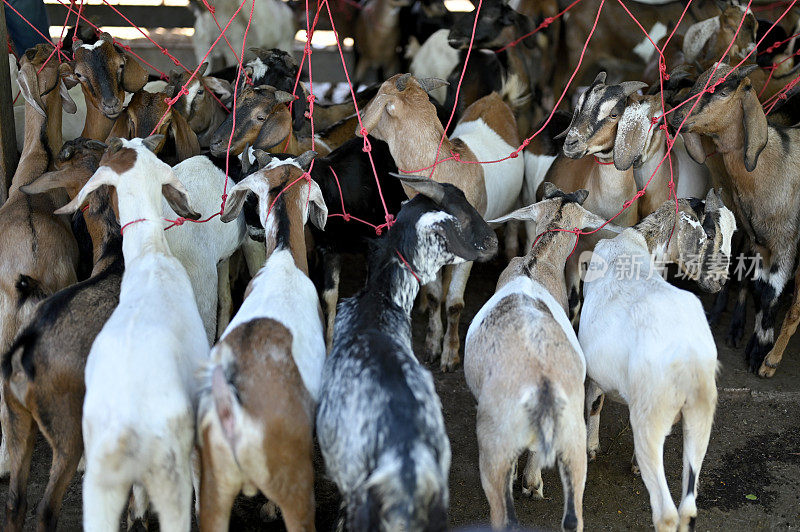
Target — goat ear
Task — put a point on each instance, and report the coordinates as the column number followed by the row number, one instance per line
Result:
column 714, row 200
column 134, row 77
column 177, row 197
column 186, row 143
column 220, row 87
column 48, row 181
column 633, row 133
column 423, row 185
column 67, row 103
column 697, row 36
column 756, row 131
column 629, row 87
column 29, row 87
column 530, row 213
column 372, row 114
column 67, row 75
column 591, row 221
column 694, row 146
column 103, row 176
column 317, row 210
column 274, row 132
column 236, row 198
column 153, row 142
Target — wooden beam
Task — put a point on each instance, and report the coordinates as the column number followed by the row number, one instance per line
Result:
column 8, row 137
column 144, row 16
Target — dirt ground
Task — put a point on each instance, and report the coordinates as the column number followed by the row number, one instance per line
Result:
column 750, row 478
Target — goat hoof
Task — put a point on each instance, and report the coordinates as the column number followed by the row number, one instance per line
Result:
column 593, row 455
column 733, row 338
column 269, row 511
column 766, row 370
column 635, row 469
column 535, row 492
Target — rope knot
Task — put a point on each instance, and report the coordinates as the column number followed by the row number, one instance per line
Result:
column 663, row 127
column 179, row 220
column 514, row 155
column 367, row 145
column 525, row 143
column 546, row 22
column 164, row 77
column 378, row 231
column 662, row 69
column 389, row 220
column 654, row 120
column 307, row 48
column 456, row 157
column 783, row 96
column 346, row 217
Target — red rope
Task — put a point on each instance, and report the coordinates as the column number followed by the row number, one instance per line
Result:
column 402, row 258
column 598, row 161
column 122, row 229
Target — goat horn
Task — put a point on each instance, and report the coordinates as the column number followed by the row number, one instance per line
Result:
column 245, row 158
column 76, row 44
column 262, row 158
column 114, row 144
column 713, row 201
column 283, row 97
column 305, row 159
column 629, row 87
column 97, row 144
column 429, row 84
column 401, row 82
column 600, row 78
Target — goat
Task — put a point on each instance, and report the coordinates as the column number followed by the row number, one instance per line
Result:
column 346, row 178
column 435, row 59
column 144, row 116
column 200, row 109
column 647, row 342
column 139, row 411
column 523, row 364
column 256, row 417
column 377, row 39
column 592, row 159
column 272, row 26
column 105, row 72
column 39, row 257
column 379, row 421
column 403, row 116
column 762, row 177
column 43, row 371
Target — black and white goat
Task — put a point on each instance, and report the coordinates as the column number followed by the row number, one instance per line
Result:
column 379, row 422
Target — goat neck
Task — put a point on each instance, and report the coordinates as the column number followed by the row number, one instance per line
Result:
column 660, row 231
column 42, row 140
column 284, row 227
column 97, row 125
column 146, row 236
column 390, row 279
column 102, row 224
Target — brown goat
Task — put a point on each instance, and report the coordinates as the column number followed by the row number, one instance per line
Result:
column 763, row 178
column 43, row 380
column 200, row 109
column 142, row 116
column 106, row 72
column 377, row 39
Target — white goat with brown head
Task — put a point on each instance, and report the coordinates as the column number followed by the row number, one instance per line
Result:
column 402, row 115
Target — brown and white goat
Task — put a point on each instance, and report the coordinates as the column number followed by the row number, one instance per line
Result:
column 141, row 118
column 763, row 178
column 199, row 107
column 589, row 161
column 523, row 364
column 106, row 72
column 402, row 115
column 256, row 416
column 43, row 371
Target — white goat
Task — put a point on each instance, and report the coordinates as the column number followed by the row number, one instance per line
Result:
column 649, row 344
column 523, row 364
column 139, row 412
column 256, row 417
column 435, row 59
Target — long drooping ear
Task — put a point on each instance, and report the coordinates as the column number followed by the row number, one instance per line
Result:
column 48, row 181
column 372, row 114
column 694, row 146
column 134, row 77
column 633, row 133
column 299, row 109
column 103, row 176
column 275, row 130
column 220, row 87
column 67, row 103
column 67, row 75
column 236, row 197
column 29, row 87
column 186, row 143
column 697, row 36
column 177, row 197
column 423, row 185
column 756, row 131
column 629, row 87
column 317, row 210
column 530, row 213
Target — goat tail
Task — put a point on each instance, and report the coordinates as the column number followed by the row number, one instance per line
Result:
column 514, row 92
column 17, row 364
column 226, row 404
column 544, row 404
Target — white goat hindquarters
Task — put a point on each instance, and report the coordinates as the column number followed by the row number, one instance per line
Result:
column 282, row 292
column 503, row 180
column 640, row 331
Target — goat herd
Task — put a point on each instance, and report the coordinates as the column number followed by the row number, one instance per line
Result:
column 119, row 342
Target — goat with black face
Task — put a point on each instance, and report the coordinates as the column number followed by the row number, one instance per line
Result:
column 379, row 421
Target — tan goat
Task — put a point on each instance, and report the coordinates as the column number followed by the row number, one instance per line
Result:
column 402, row 115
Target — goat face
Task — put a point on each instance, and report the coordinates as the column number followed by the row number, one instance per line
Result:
column 39, row 76
column 198, row 106
column 262, row 119
column 733, row 102
column 74, row 165
column 594, row 123
column 498, row 23
column 448, row 229
column 106, row 72
column 704, row 239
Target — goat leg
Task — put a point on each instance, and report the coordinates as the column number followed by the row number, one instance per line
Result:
column 788, row 328
column 20, row 432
